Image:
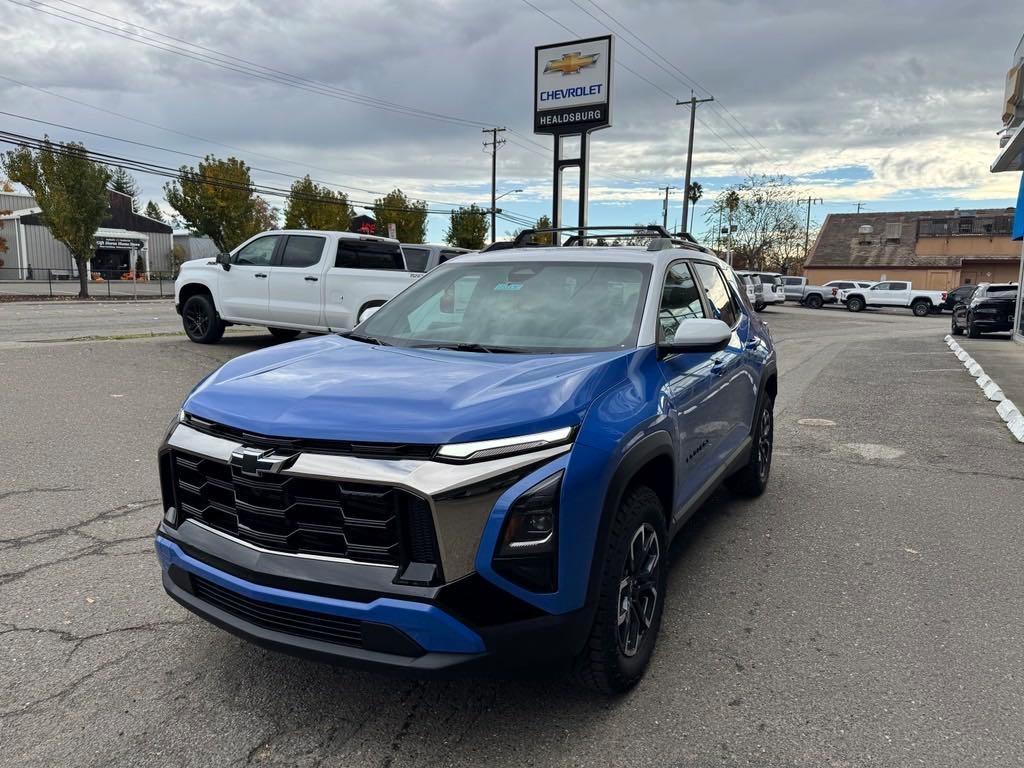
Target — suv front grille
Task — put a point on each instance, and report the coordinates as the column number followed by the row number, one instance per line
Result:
column 298, row 515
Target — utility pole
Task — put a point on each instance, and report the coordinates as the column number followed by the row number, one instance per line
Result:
column 807, row 232
column 859, row 206
column 664, row 207
column 494, row 143
column 692, row 103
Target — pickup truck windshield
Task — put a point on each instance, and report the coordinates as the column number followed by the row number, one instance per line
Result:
column 526, row 306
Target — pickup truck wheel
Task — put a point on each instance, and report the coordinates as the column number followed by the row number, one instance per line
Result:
column 855, row 304
column 752, row 480
column 200, row 320
column 921, row 308
column 284, row 334
column 814, row 301
column 631, row 597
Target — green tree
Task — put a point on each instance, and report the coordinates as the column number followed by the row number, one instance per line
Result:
column 217, row 199
column 695, row 193
column 153, row 211
column 123, row 182
column 467, row 228
column 408, row 216
column 71, row 190
column 5, row 186
column 312, row 206
column 544, row 222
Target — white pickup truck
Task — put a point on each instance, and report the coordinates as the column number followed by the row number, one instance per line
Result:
column 290, row 281
column 895, row 293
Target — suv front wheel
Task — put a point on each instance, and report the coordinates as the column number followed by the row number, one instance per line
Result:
column 631, row 598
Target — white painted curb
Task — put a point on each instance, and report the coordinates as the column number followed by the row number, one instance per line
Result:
column 1007, row 411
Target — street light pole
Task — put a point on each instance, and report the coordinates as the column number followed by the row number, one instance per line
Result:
column 692, row 103
column 664, row 209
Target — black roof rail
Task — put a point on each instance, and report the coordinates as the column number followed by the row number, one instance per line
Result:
column 525, row 238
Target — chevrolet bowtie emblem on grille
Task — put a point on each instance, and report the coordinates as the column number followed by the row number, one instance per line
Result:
column 258, row 461
column 571, row 63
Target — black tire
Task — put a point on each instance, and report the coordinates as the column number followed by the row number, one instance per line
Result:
column 972, row 330
column 955, row 329
column 284, row 334
column 855, row 304
column 200, row 319
column 752, row 480
column 759, row 306
column 615, row 656
column 814, row 301
column 921, row 308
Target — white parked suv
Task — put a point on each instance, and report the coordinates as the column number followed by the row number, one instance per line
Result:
column 423, row 257
column 895, row 293
column 290, row 281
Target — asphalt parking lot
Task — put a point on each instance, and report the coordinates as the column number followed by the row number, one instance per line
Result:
column 869, row 610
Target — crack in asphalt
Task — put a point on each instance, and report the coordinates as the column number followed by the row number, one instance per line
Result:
column 113, row 513
column 99, row 548
column 54, row 489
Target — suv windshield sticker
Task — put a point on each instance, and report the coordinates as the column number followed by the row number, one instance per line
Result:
column 508, row 287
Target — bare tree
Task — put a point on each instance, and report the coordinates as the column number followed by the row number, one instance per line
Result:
column 764, row 211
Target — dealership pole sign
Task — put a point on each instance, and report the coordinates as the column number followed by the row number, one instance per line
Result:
column 572, row 97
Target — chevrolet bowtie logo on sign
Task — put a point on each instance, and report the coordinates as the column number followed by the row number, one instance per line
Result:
column 571, row 63
column 572, row 84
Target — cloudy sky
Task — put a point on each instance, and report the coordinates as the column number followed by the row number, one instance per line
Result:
column 890, row 103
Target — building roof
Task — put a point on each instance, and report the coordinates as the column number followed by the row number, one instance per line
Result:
column 121, row 216
column 840, row 242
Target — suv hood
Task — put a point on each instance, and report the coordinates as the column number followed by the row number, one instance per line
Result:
column 332, row 388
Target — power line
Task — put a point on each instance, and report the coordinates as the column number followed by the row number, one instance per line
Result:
column 632, row 71
column 691, row 82
column 146, row 167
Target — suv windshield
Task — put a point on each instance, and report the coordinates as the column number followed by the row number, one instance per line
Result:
column 517, row 306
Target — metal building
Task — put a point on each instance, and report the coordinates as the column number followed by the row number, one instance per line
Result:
column 124, row 238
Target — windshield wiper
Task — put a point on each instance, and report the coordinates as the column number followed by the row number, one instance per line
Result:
column 468, row 347
column 367, row 339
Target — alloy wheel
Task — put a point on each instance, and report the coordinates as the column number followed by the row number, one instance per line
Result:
column 764, row 444
column 638, row 589
column 197, row 320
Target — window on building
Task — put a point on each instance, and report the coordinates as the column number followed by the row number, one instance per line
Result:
column 965, row 225
column 302, row 251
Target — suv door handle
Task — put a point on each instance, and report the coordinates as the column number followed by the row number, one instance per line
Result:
column 260, row 274
column 311, row 279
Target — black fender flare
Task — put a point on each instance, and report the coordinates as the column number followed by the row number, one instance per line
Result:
column 639, row 455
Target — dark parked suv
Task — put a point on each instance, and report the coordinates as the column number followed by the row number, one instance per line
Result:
column 990, row 310
column 490, row 468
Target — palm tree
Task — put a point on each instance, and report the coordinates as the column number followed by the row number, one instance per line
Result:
column 694, row 193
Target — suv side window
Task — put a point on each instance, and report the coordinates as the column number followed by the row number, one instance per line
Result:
column 416, row 259
column 258, row 253
column 369, row 254
column 717, row 292
column 680, row 299
column 302, row 251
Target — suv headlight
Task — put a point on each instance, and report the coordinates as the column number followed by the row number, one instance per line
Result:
column 506, row 446
column 527, row 550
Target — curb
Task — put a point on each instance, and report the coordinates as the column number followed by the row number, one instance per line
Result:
column 1006, row 408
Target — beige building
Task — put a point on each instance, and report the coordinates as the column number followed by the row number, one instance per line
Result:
column 934, row 250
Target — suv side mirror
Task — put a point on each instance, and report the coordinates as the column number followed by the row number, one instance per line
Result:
column 698, row 335
column 224, row 259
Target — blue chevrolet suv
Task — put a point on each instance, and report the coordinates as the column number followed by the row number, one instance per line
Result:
column 489, row 468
